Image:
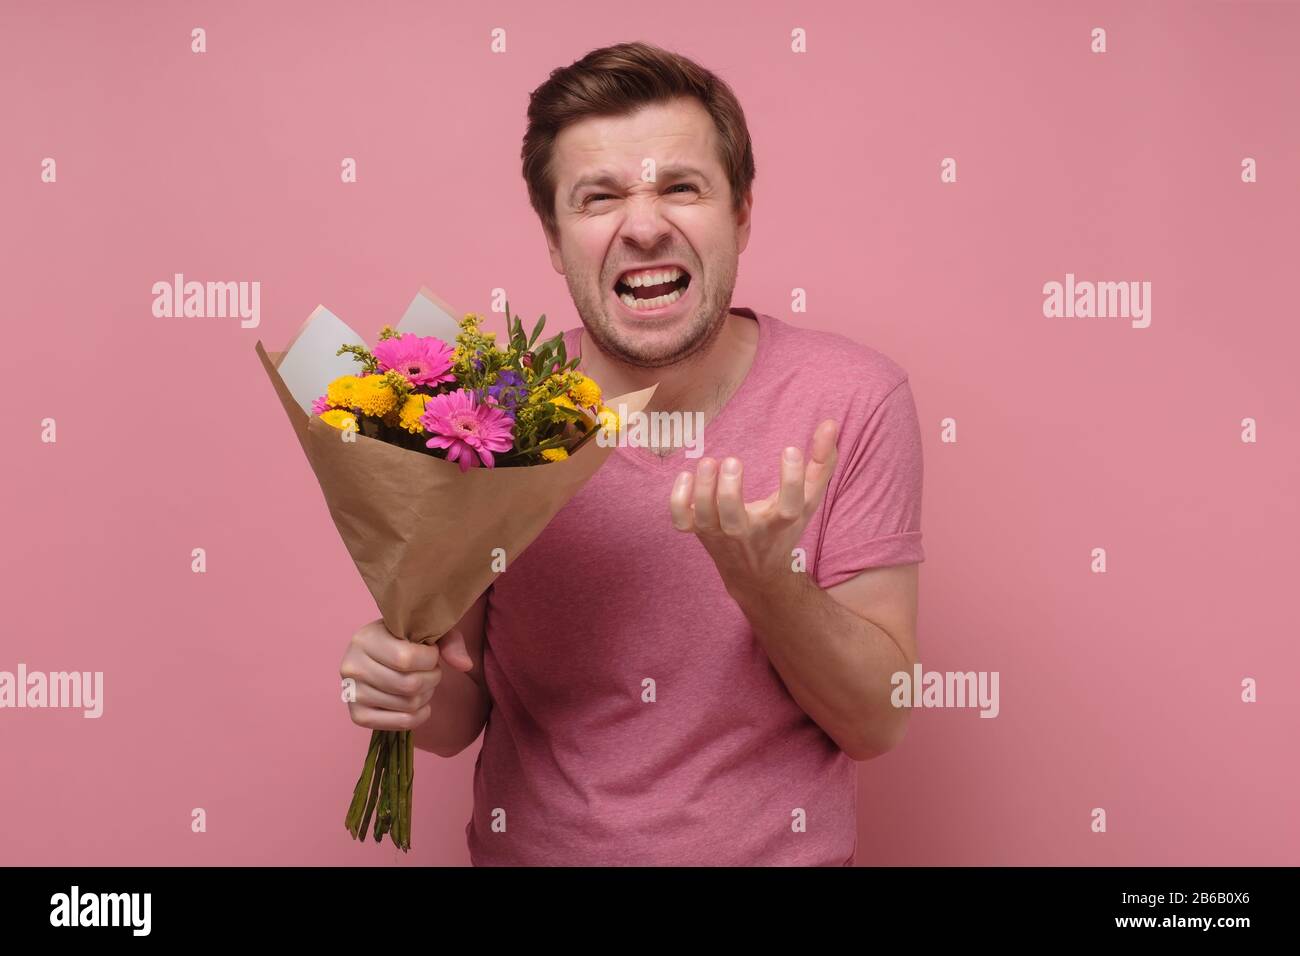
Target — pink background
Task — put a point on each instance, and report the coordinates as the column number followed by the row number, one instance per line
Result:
column 1118, row 690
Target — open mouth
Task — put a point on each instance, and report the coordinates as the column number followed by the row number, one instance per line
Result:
column 652, row 289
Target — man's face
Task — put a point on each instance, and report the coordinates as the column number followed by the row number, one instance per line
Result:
column 613, row 222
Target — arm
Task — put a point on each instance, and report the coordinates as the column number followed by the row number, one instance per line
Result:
column 837, row 648
column 459, row 707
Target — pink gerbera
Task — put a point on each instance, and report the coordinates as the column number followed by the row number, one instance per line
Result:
column 470, row 431
column 321, row 405
column 423, row 359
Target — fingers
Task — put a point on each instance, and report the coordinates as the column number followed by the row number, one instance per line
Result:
column 679, row 502
column 454, row 652
column 393, row 680
column 705, row 498
column 713, row 498
column 386, row 700
column 378, row 644
column 822, row 464
column 370, row 696
column 732, row 517
column 789, row 496
column 366, row 670
column 694, row 503
column 375, row 719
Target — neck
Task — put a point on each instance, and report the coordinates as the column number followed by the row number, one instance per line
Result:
column 704, row 381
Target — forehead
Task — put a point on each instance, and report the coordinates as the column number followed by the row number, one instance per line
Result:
column 678, row 130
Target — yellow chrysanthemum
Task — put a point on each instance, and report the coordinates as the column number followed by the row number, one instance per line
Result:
column 564, row 400
column 374, row 396
column 341, row 390
column 340, row 418
column 608, row 419
column 412, row 409
column 584, row 390
column 554, row 454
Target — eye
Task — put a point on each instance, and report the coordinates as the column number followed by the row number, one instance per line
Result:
column 686, row 185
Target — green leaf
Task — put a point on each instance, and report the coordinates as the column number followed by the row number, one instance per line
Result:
column 541, row 324
column 585, row 438
column 571, row 413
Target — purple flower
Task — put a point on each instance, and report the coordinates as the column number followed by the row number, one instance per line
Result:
column 508, row 390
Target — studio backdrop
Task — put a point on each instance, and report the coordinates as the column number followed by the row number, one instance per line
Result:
column 1073, row 225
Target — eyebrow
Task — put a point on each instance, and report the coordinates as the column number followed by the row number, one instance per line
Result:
column 610, row 178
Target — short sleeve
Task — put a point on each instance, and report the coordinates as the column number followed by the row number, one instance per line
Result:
column 872, row 514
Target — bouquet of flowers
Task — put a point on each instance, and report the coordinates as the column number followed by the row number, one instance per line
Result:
column 418, row 450
column 475, row 404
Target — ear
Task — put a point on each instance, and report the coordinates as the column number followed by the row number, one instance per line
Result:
column 743, row 220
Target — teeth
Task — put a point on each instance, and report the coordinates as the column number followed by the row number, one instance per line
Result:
column 632, row 302
column 637, row 279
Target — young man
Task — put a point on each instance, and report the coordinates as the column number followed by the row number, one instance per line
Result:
column 684, row 667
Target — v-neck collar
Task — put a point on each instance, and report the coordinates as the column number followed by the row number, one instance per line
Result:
column 675, row 461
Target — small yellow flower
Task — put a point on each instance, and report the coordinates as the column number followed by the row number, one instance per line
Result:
column 411, row 412
column 608, row 419
column 541, row 390
column 340, row 390
column 340, row 418
column 374, row 396
column 564, row 400
column 584, row 390
column 554, row 454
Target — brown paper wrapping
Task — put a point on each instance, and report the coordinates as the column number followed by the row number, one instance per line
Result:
column 421, row 532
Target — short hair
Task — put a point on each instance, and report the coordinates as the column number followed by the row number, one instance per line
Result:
column 617, row 80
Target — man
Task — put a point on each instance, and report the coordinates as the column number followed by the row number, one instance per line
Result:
column 685, row 666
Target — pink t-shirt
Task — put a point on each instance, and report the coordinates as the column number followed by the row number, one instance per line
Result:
column 578, row 766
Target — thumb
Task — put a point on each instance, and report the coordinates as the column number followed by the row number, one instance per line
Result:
column 451, row 647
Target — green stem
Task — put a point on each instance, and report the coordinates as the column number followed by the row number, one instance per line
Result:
column 585, row 438
column 556, row 441
column 375, row 782
column 410, row 766
column 385, row 788
column 399, row 830
column 384, row 813
column 395, row 786
column 394, row 771
column 353, row 820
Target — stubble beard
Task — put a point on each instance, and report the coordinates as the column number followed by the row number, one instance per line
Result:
column 705, row 324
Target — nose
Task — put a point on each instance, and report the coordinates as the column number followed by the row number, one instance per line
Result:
column 643, row 223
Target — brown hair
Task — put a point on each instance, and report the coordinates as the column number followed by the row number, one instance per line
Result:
column 614, row 81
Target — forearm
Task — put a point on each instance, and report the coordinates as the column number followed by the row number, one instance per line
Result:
column 459, row 709
column 836, row 664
